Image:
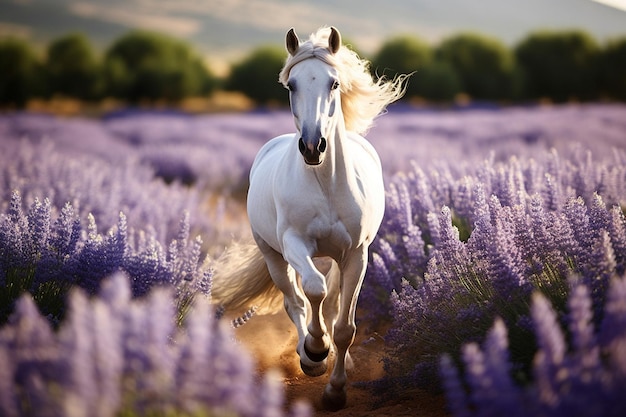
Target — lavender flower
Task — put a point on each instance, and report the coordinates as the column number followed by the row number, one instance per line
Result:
column 29, row 344
column 483, row 212
column 47, row 170
column 115, row 354
column 46, row 256
column 575, row 381
column 517, row 243
column 491, row 390
column 457, row 402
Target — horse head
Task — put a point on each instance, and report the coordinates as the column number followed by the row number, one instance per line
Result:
column 314, row 94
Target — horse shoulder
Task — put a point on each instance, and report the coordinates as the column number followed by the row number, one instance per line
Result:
column 359, row 142
column 261, row 205
column 271, row 149
column 369, row 193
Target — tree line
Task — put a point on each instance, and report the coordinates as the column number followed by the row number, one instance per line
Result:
column 144, row 66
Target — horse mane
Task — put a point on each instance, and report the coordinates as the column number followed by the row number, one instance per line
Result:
column 362, row 97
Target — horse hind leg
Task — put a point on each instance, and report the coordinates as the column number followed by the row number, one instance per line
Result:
column 285, row 279
column 353, row 271
column 330, row 307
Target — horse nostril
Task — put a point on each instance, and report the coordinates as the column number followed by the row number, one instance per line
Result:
column 321, row 146
column 301, row 146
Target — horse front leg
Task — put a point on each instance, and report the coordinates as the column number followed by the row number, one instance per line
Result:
column 313, row 349
column 352, row 273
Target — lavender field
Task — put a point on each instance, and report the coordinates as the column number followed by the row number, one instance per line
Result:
column 498, row 270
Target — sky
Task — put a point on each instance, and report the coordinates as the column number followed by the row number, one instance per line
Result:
column 225, row 30
column 617, row 4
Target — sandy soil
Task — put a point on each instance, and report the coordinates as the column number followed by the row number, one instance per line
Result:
column 272, row 340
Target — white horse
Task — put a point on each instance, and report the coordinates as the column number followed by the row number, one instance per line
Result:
column 316, row 193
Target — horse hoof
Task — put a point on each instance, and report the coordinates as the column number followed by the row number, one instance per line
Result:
column 318, row 369
column 334, row 400
column 318, row 363
column 316, row 357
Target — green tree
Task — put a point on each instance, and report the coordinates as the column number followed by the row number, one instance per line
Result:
column 151, row 66
column 256, row 76
column 484, row 65
column 20, row 73
column 558, row 65
column 438, row 81
column 404, row 55
column 72, row 67
column 612, row 69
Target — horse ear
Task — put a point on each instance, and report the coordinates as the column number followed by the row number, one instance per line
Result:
column 334, row 40
column 292, row 42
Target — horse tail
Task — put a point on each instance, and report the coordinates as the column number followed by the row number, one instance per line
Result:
column 241, row 280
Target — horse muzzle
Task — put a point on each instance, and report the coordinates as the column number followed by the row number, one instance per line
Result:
column 312, row 151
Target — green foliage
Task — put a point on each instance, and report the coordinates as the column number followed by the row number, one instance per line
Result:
column 16, row 282
column 463, row 225
column 612, row 69
column 558, row 65
column 402, row 55
column 49, row 296
column 405, row 55
column 20, row 73
column 257, row 76
column 437, row 82
column 484, row 65
column 145, row 66
column 151, row 66
column 72, row 67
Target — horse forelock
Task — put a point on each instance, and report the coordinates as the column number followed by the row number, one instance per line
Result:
column 362, row 98
column 315, row 47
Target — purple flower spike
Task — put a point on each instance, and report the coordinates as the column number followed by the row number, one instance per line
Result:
column 118, row 355
column 567, row 382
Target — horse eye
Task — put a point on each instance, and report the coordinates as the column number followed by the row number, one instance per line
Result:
column 291, row 86
column 335, row 85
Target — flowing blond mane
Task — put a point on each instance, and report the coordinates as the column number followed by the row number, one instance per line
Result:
column 362, row 98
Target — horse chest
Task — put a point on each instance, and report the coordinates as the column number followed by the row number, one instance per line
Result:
column 330, row 236
column 333, row 228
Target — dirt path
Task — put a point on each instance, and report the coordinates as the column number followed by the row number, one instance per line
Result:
column 272, row 340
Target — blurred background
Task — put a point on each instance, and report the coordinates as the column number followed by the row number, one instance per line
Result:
column 94, row 56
